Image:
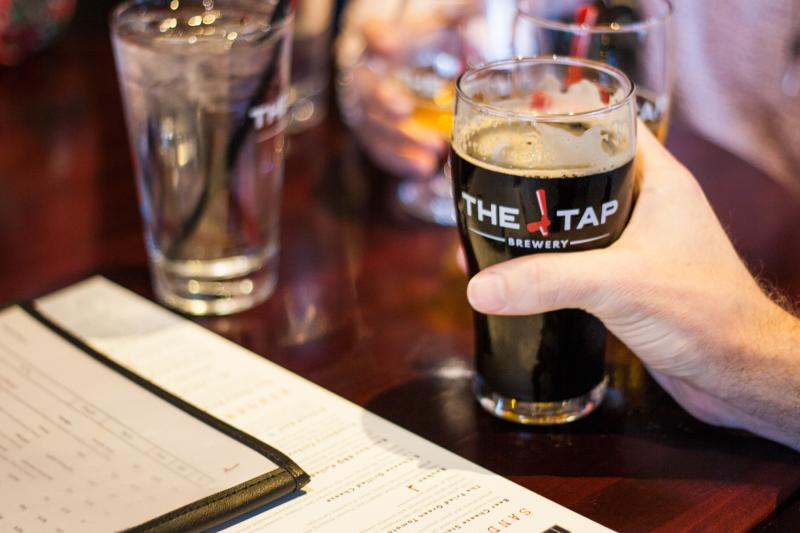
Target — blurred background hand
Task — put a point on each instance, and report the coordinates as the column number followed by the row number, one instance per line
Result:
column 380, row 111
column 397, row 71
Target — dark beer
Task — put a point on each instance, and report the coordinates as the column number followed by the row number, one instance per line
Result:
column 504, row 212
column 542, row 162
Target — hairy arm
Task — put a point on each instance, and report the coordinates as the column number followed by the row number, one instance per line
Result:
column 756, row 377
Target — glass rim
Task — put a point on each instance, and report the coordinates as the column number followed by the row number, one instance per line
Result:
column 490, row 109
column 118, row 12
column 657, row 20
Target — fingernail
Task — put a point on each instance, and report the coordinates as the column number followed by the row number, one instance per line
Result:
column 486, row 292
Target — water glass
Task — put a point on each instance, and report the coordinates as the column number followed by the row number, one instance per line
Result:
column 633, row 36
column 205, row 91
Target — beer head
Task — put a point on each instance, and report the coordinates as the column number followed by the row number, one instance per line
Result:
column 546, row 117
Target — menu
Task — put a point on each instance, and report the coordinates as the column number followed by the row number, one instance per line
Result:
column 85, row 448
column 367, row 474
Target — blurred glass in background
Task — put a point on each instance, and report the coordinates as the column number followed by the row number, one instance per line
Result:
column 425, row 45
column 308, row 96
column 398, row 65
column 468, row 33
column 633, row 36
column 428, row 69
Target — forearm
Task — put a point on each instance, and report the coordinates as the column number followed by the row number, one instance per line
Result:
column 736, row 365
column 762, row 376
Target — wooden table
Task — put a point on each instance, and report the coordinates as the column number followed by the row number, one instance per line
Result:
column 371, row 305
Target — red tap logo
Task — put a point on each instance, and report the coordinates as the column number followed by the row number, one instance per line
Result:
column 543, row 225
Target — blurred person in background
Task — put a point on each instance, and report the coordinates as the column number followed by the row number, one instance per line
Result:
column 737, row 77
column 724, row 348
column 377, row 105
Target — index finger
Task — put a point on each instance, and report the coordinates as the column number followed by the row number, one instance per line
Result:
column 393, row 39
column 656, row 167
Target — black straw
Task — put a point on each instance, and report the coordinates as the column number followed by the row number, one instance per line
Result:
column 237, row 139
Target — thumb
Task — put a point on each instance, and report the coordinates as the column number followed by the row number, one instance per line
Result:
column 543, row 282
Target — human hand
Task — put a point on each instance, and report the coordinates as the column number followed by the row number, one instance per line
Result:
column 673, row 289
column 380, row 109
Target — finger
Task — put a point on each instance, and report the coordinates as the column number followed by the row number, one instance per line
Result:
column 393, row 97
column 383, row 95
column 461, row 259
column 405, row 161
column 406, row 132
column 395, row 39
column 543, row 282
column 384, row 38
column 663, row 181
column 656, row 153
column 638, row 172
column 656, row 166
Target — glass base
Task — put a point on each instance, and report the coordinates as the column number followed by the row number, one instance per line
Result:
column 540, row 413
column 218, row 287
column 428, row 200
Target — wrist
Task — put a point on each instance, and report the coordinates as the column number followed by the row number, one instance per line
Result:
column 760, row 375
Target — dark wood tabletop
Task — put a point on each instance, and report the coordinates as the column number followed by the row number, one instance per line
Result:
column 372, row 306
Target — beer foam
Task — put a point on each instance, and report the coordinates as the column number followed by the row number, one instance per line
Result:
column 544, row 150
column 523, row 146
column 581, row 96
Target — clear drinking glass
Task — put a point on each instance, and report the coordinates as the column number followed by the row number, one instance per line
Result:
column 541, row 162
column 205, row 92
column 633, row 36
column 429, row 69
column 308, row 97
column 474, row 32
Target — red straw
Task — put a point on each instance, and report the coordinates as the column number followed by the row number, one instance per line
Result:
column 585, row 16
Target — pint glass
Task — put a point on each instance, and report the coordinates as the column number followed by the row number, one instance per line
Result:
column 542, row 162
column 205, row 91
column 633, row 36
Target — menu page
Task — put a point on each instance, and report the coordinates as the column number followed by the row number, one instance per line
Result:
column 83, row 448
column 367, row 474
